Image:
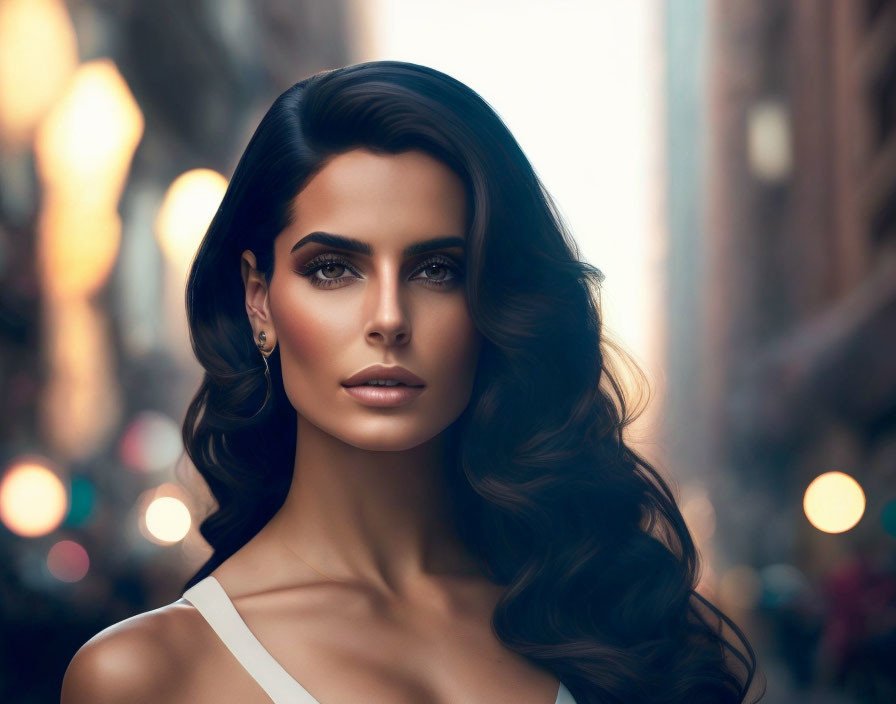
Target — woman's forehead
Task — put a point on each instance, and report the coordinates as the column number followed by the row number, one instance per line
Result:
column 363, row 177
column 382, row 199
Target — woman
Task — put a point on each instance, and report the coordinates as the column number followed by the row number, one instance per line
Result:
column 478, row 532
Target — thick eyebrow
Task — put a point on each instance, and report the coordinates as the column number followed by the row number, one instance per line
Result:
column 352, row 245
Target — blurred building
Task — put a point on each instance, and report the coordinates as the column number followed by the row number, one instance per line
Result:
column 786, row 221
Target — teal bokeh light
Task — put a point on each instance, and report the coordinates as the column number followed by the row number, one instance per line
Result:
column 888, row 517
column 82, row 503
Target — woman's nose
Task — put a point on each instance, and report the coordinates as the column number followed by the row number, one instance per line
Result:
column 388, row 323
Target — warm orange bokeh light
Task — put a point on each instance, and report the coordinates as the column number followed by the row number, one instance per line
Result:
column 33, row 500
column 79, row 405
column 187, row 210
column 78, row 249
column 83, row 150
column 834, row 502
column 38, row 53
column 89, row 136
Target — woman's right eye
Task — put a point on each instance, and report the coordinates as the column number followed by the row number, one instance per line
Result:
column 330, row 268
column 327, row 269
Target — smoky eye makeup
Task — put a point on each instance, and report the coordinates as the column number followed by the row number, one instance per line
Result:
column 327, row 262
column 330, row 269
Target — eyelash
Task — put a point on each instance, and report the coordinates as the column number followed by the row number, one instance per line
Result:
column 323, row 260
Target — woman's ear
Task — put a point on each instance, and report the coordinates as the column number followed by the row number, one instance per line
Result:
column 257, row 307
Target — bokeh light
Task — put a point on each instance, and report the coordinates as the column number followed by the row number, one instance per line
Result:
column 68, row 561
column 151, row 442
column 83, row 151
column 187, row 210
column 80, row 405
column 888, row 517
column 781, row 585
column 90, row 134
column 38, row 53
column 83, row 499
column 769, row 140
column 167, row 519
column 834, row 502
column 78, row 248
column 33, row 500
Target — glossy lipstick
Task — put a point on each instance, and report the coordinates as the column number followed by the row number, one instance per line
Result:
column 383, row 396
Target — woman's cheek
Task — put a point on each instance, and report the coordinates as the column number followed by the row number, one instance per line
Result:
column 307, row 324
column 309, row 339
column 455, row 343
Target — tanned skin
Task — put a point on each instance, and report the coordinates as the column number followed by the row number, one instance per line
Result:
column 408, row 620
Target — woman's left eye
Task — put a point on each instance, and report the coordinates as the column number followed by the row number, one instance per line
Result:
column 447, row 268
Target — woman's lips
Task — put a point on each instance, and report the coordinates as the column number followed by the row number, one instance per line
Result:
column 383, row 396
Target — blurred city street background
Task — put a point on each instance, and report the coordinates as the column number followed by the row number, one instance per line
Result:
column 729, row 165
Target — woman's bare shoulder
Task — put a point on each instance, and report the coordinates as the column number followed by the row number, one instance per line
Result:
column 141, row 659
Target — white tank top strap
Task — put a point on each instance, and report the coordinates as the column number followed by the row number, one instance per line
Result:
column 564, row 696
column 210, row 599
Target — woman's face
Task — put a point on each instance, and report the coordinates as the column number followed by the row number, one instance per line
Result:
column 334, row 311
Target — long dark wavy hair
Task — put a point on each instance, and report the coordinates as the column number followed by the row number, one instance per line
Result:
column 599, row 567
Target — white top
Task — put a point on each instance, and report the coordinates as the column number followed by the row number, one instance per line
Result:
column 210, row 599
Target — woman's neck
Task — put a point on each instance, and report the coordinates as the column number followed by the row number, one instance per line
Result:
column 379, row 517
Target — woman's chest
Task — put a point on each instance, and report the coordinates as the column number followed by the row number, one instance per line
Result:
column 370, row 655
